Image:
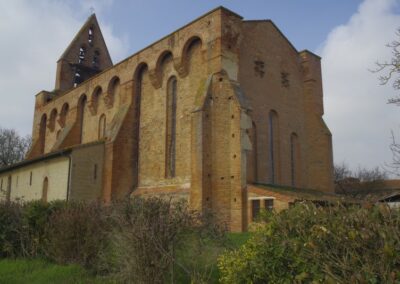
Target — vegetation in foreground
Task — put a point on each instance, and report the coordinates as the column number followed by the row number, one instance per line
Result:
column 309, row 244
column 156, row 241
column 136, row 241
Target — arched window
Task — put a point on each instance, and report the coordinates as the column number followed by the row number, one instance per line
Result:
column 171, row 128
column 53, row 117
column 252, row 155
column 140, row 73
column 191, row 46
column 81, row 116
column 294, row 159
column 45, row 189
column 113, row 90
column 274, row 146
column 95, row 99
column 102, row 126
column 63, row 114
column 42, row 133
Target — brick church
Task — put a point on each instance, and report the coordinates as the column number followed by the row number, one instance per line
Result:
column 223, row 112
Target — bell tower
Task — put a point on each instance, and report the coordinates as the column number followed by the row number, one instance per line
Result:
column 85, row 56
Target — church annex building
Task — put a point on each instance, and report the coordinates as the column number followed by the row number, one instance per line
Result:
column 223, row 112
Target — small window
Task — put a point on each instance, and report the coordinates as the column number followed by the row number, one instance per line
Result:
column 82, row 53
column 95, row 172
column 30, row 179
column 95, row 61
column 255, row 209
column 90, row 35
column 78, row 78
column 269, row 204
column 285, row 79
column 1, row 184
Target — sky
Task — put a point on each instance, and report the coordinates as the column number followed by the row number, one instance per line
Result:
column 349, row 35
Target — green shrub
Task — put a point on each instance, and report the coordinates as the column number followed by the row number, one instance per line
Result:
column 307, row 243
column 35, row 218
column 22, row 227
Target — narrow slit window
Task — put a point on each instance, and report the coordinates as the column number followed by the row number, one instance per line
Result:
column 273, row 146
column 95, row 172
column 90, row 35
column 95, row 61
column 82, row 54
column 171, row 128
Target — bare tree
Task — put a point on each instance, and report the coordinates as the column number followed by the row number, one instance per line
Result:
column 341, row 172
column 13, row 147
column 348, row 181
column 391, row 68
column 391, row 71
column 395, row 164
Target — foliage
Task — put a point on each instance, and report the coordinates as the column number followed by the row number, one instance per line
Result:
column 13, row 147
column 330, row 245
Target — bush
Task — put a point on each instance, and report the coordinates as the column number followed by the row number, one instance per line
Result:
column 157, row 241
column 307, row 243
column 35, row 218
column 10, row 228
column 76, row 234
column 22, row 227
column 139, row 240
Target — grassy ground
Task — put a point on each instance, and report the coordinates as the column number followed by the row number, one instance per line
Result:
column 238, row 239
column 23, row 271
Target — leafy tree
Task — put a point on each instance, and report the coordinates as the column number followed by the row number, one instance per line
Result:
column 13, row 147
